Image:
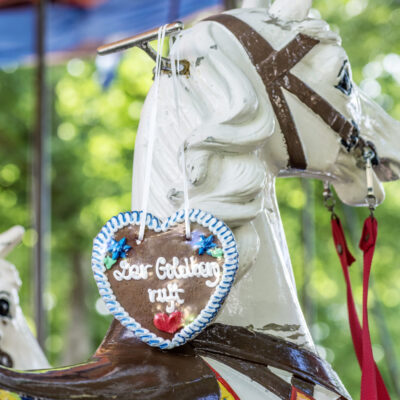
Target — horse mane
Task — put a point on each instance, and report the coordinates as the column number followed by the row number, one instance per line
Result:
column 236, row 119
column 222, row 125
column 239, row 118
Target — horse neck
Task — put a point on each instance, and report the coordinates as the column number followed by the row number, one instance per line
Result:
column 20, row 344
column 265, row 299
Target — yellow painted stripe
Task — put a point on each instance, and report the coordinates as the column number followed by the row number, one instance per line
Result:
column 225, row 395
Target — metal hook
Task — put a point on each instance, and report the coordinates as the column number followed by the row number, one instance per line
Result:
column 368, row 155
column 329, row 199
column 142, row 41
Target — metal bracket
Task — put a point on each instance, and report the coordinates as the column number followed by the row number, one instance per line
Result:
column 369, row 154
column 329, row 199
column 142, row 41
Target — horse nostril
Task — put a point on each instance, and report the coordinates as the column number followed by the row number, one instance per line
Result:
column 387, row 170
column 6, row 360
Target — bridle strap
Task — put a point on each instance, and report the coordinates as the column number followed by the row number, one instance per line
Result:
column 320, row 106
column 274, row 68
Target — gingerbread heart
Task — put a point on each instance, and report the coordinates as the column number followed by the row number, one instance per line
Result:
column 166, row 289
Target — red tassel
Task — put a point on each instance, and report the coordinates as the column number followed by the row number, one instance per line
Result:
column 372, row 384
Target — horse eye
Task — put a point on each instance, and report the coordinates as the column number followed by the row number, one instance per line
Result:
column 345, row 85
column 4, row 308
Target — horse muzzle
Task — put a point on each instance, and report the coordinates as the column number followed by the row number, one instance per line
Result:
column 388, row 170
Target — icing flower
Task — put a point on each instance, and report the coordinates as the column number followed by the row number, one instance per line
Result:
column 205, row 244
column 196, row 236
column 109, row 262
column 118, row 249
column 170, row 323
column 216, row 252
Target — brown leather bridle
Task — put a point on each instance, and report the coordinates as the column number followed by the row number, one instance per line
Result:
column 274, row 68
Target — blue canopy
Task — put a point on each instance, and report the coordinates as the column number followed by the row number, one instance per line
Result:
column 69, row 28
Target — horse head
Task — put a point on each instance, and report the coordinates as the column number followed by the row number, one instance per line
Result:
column 18, row 348
column 289, row 103
column 324, row 76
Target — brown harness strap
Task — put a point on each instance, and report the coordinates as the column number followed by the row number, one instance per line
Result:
column 274, row 68
column 220, row 341
column 320, row 106
column 297, row 158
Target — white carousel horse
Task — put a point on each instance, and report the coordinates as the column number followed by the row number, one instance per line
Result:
column 18, row 348
column 237, row 145
column 269, row 94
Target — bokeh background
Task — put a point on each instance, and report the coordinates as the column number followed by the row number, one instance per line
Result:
column 93, row 131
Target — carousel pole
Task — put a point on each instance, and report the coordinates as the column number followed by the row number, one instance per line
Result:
column 40, row 174
column 174, row 7
column 229, row 4
column 308, row 236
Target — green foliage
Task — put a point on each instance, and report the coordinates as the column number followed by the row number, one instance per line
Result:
column 92, row 147
column 92, row 140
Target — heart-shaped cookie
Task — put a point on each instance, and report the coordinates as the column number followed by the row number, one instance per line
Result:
column 166, row 289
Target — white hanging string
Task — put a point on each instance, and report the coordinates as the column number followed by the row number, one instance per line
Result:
column 175, row 62
column 152, row 130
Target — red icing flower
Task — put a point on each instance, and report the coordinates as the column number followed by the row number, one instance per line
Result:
column 168, row 323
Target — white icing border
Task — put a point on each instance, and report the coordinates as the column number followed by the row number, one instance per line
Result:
column 207, row 314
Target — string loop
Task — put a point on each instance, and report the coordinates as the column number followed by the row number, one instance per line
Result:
column 152, row 129
column 175, row 61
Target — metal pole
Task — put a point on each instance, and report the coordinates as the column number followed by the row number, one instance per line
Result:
column 40, row 174
column 308, row 233
column 174, row 10
column 230, row 4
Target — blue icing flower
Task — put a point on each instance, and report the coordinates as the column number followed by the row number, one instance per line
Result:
column 205, row 244
column 118, row 249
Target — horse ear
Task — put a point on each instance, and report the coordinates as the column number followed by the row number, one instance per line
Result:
column 291, row 10
column 256, row 3
column 9, row 239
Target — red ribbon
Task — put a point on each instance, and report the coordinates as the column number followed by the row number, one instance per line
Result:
column 372, row 384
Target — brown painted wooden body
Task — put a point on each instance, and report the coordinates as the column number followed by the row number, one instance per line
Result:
column 125, row 368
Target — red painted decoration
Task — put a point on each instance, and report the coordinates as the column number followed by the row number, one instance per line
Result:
column 168, row 323
column 224, row 383
column 299, row 395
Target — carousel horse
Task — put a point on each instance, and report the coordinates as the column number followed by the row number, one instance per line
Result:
column 18, row 348
column 268, row 94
